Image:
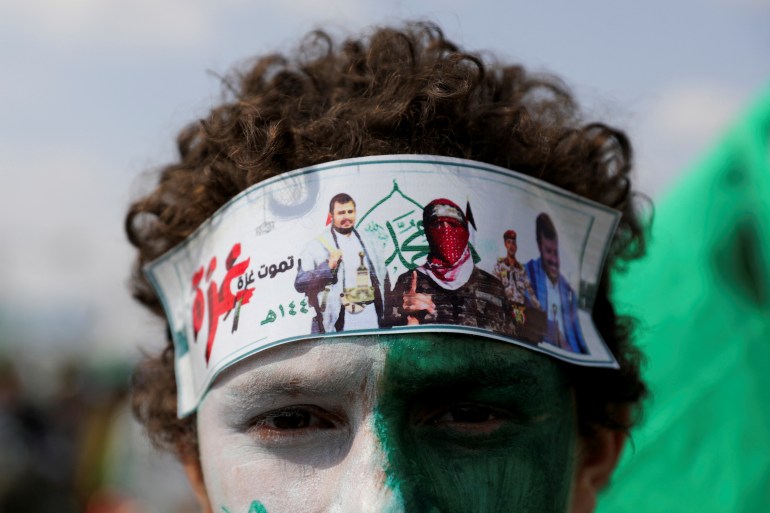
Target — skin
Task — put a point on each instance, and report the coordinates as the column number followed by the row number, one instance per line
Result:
column 487, row 428
column 416, row 301
column 511, row 248
column 419, row 423
column 256, row 507
column 343, row 220
column 549, row 252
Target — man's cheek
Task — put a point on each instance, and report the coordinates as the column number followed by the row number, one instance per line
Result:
column 242, row 485
column 532, row 473
column 275, row 488
column 238, row 474
column 553, row 267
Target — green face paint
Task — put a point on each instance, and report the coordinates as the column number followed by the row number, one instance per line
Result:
column 475, row 426
column 256, row 507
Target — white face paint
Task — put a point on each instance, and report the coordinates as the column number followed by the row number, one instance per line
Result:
column 389, row 424
column 293, row 428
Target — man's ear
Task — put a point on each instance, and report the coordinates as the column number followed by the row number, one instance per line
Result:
column 596, row 461
column 192, row 467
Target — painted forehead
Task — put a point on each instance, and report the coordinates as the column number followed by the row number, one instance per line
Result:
column 333, row 367
column 272, row 267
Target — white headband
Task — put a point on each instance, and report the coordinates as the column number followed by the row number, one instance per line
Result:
column 274, row 265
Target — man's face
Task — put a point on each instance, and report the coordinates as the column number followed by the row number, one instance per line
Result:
column 447, row 238
column 415, row 423
column 344, row 217
column 511, row 248
column 549, row 252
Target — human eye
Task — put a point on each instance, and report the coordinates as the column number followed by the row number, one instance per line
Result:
column 468, row 418
column 293, row 424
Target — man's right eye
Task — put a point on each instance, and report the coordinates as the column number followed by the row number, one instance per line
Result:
column 292, row 424
column 288, row 419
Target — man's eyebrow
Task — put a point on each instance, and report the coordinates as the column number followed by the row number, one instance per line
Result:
column 263, row 387
column 259, row 386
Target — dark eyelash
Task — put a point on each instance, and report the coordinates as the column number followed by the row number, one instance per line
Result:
column 309, row 417
column 491, row 412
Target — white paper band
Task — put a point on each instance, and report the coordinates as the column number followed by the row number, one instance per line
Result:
column 273, row 265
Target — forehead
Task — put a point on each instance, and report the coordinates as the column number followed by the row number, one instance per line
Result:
column 443, row 221
column 549, row 243
column 342, row 207
column 414, row 364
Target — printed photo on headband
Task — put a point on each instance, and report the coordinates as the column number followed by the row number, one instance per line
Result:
column 385, row 244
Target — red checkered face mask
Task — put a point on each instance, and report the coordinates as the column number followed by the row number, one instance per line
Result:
column 448, row 239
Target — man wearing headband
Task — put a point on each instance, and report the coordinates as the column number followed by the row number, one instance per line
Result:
column 337, row 273
column 400, row 421
column 553, row 291
column 513, row 276
column 448, row 288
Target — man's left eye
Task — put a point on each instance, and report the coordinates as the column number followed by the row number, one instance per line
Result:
column 470, row 414
column 467, row 417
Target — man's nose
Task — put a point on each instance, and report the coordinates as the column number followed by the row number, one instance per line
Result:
column 364, row 487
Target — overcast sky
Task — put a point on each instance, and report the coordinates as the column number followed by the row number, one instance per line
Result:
column 93, row 92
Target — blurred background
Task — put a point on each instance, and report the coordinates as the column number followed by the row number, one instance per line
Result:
column 92, row 95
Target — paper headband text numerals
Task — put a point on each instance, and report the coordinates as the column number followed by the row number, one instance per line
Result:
column 277, row 264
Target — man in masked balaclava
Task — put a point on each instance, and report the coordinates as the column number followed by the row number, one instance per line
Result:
column 448, row 288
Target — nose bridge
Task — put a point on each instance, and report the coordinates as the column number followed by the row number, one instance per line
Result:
column 364, row 486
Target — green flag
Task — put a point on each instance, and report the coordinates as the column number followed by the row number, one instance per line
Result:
column 702, row 295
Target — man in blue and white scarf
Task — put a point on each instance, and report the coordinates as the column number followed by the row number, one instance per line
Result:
column 552, row 290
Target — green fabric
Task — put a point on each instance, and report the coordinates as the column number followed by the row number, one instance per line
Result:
column 702, row 295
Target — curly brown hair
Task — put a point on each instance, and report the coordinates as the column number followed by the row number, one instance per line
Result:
column 395, row 91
